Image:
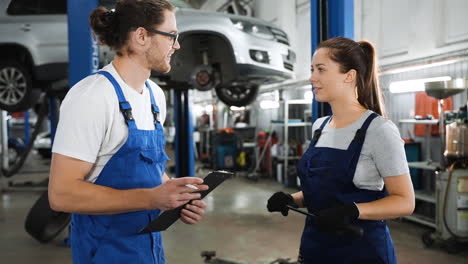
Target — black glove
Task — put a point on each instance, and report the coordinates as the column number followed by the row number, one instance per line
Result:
column 278, row 202
column 335, row 218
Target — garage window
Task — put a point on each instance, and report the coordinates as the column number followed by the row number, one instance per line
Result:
column 37, row 7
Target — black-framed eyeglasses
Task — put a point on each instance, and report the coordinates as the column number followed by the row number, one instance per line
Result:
column 174, row 37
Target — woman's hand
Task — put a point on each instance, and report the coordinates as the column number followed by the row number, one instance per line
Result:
column 279, row 201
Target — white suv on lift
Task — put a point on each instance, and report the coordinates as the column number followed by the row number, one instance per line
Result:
column 232, row 54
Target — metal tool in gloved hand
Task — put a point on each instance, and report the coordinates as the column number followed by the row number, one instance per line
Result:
column 334, row 220
column 279, row 202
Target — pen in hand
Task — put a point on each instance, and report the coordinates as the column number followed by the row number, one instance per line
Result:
column 192, row 186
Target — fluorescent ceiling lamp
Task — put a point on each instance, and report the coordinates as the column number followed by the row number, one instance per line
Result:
column 197, row 109
column 414, row 85
column 268, row 104
column 420, row 67
column 235, row 108
column 209, row 108
column 308, row 96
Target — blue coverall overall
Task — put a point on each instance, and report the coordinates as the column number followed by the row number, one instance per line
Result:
column 139, row 163
column 326, row 176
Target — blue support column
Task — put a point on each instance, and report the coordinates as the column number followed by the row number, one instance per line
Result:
column 26, row 128
column 315, row 40
column 184, row 150
column 341, row 18
column 83, row 52
column 329, row 19
column 52, row 118
column 190, row 148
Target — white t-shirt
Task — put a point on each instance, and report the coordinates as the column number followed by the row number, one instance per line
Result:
column 92, row 128
column 382, row 155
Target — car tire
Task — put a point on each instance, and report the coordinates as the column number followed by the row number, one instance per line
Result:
column 237, row 94
column 45, row 153
column 44, row 224
column 16, row 91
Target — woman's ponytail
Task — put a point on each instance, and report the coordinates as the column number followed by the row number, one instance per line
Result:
column 374, row 100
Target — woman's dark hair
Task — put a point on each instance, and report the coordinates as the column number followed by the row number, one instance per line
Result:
column 360, row 56
column 112, row 27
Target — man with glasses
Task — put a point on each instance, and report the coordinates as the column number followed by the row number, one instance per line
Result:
column 108, row 156
column 175, row 37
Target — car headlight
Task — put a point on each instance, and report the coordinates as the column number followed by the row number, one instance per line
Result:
column 257, row 30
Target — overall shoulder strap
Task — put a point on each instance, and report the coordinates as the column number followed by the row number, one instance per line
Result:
column 154, row 106
column 361, row 132
column 124, row 105
column 358, row 141
column 318, row 131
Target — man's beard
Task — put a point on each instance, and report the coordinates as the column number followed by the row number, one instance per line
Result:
column 157, row 65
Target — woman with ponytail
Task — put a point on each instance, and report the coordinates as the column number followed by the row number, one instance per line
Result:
column 354, row 172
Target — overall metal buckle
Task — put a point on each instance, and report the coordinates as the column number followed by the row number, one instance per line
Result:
column 126, row 112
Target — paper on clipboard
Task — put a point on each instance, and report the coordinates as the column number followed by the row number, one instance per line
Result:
column 167, row 218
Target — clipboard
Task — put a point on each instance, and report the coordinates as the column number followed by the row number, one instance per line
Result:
column 167, row 218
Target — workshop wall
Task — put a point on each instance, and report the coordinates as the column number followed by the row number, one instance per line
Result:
column 406, row 30
column 415, row 39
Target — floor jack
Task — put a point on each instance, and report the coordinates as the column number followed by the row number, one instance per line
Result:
column 210, row 257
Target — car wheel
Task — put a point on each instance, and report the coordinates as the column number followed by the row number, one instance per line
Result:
column 237, row 94
column 43, row 223
column 204, row 78
column 16, row 91
column 45, row 153
column 428, row 239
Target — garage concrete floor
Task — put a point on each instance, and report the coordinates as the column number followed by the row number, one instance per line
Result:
column 237, row 226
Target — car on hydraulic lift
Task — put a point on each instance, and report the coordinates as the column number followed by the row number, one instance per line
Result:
column 228, row 53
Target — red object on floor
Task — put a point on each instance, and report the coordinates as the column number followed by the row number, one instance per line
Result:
column 17, row 114
column 426, row 105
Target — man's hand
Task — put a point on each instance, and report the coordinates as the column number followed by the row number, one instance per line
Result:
column 193, row 212
column 278, row 203
column 335, row 218
column 174, row 193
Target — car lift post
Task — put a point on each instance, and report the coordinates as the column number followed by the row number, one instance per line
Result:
column 4, row 144
column 329, row 19
column 183, row 143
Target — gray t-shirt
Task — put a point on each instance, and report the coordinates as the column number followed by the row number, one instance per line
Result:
column 382, row 154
